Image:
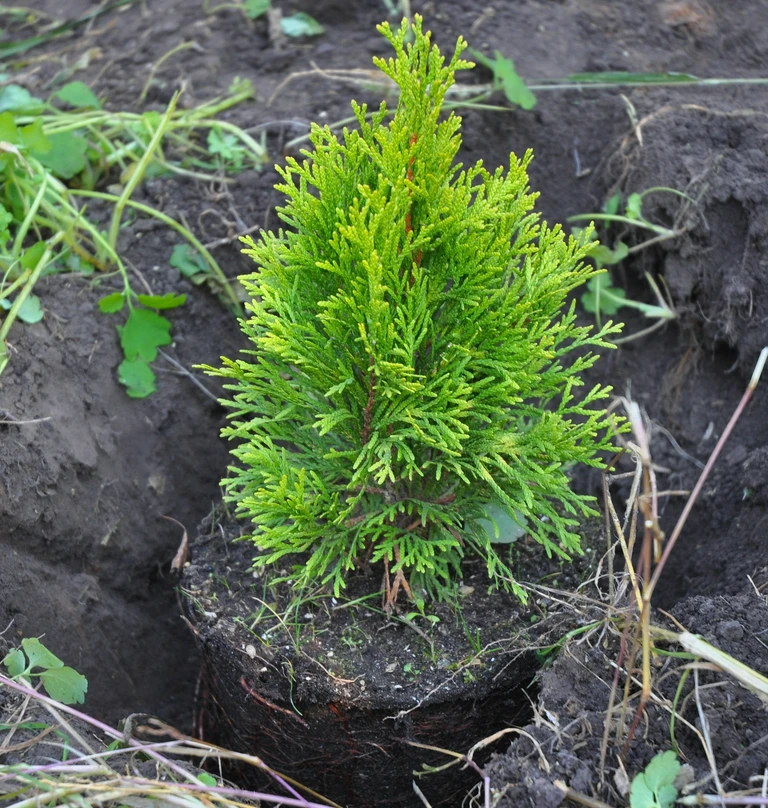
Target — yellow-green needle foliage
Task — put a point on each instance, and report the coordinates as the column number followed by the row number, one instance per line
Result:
column 409, row 381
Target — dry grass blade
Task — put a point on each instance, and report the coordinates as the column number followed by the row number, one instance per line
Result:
column 87, row 776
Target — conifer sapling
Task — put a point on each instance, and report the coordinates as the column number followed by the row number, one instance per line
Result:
column 407, row 381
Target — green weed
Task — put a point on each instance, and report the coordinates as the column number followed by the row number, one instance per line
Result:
column 654, row 787
column 33, row 659
column 54, row 152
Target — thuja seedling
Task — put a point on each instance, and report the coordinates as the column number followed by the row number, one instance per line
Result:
column 407, row 378
column 34, row 660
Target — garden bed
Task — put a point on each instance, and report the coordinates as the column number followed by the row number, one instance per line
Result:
column 86, row 473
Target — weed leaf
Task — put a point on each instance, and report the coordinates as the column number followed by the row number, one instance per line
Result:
column 602, row 298
column 112, row 303
column 634, row 206
column 654, row 787
column 65, row 685
column 16, row 99
column 38, row 655
column 256, row 8
column 188, row 262
column 15, row 662
column 78, row 94
column 31, row 310
column 138, row 377
column 514, row 87
column 168, row 301
column 66, row 157
column 301, row 24
column 226, row 145
column 34, row 138
column 143, row 333
column 500, row 526
column 662, row 770
column 605, row 256
column 6, row 217
column 506, row 78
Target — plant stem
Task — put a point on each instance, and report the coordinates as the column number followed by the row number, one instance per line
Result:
column 138, row 173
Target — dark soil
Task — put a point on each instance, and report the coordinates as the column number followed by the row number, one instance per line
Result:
column 85, row 552
column 573, row 699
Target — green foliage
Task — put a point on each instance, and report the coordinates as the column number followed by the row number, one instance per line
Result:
column 408, row 370
column 601, row 297
column 61, row 682
column 654, row 787
column 293, row 25
column 50, row 156
column 506, row 78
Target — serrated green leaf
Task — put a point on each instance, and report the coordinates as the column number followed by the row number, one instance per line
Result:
column 109, row 304
column 138, row 377
column 500, row 526
column 662, row 770
column 66, row 157
column 301, row 24
column 227, row 146
column 654, row 787
column 65, row 685
column 38, row 655
column 16, row 662
column 605, row 256
column 640, row 796
column 17, row 99
column 143, row 333
column 172, row 300
column 78, row 94
column 256, row 8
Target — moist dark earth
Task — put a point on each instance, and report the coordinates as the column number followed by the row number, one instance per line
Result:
column 85, row 551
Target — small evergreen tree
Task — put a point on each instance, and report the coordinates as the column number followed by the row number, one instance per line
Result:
column 407, row 378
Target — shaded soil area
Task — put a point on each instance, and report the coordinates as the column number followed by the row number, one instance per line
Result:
column 564, row 742
column 85, row 552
